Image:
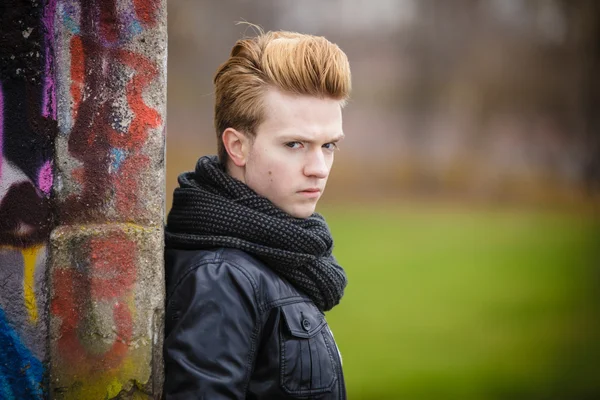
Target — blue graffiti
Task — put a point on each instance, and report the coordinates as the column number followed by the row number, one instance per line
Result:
column 21, row 373
column 117, row 156
column 135, row 27
column 70, row 24
column 69, row 17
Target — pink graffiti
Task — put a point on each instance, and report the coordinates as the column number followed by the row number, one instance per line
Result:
column 45, row 177
column 49, row 95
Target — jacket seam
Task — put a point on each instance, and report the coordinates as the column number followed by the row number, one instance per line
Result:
column 220, row 261
column 251, row 355
column 189, row 271
column 284, row 301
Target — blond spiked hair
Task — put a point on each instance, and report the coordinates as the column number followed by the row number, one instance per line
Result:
column 291, row 62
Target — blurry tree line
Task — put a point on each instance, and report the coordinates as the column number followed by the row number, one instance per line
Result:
column 497, row 99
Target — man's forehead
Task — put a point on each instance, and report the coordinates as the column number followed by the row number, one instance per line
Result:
column 298, row 115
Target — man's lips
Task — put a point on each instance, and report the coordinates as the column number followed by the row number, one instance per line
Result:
column 311, row 192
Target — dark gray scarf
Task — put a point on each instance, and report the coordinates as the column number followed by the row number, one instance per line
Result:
column 212, row 209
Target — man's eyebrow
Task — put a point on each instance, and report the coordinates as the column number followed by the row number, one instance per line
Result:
column 338, row 137
column 302, row 138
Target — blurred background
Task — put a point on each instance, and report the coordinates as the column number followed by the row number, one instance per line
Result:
column 465, row 199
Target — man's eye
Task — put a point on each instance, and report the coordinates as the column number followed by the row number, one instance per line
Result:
column 330, row 146
column 294, row 145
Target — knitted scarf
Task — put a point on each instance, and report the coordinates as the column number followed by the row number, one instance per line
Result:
column 212, row 209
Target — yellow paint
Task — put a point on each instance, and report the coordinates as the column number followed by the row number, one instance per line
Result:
column 113, row 388
column 130, row 300
column 135, row 369
column 29, row 260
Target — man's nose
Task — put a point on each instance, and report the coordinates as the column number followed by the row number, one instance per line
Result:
column 316, row 165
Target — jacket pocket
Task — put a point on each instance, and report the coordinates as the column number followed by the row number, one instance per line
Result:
column 306, row 351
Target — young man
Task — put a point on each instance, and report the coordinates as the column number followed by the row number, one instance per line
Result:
column 249, row 269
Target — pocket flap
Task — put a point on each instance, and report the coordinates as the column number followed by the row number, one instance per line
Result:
column 303, row 319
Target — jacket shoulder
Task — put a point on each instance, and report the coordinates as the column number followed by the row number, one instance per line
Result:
column 271, row 290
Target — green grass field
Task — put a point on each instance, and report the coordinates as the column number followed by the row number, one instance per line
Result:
column 468, row 304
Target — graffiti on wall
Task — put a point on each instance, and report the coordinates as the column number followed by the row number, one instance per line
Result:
column 108, row 119
column 22, row 328
column 27, row 132
column 92, row 66
column 27, row 129
column 109, row 111
column 106, row 280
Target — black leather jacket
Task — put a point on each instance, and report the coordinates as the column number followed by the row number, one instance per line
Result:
column 236, row 330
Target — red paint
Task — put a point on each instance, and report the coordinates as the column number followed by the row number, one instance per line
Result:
column 78, row 175
column 110, row 278
column 95, row 64
column 126, row 183
column 146, row 11
column 77, row 72
column 109, row 21
column 145, row 117
column 112, row 269
column 93, row 134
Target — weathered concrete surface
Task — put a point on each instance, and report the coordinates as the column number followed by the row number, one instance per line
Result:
column 107, row 311
column 106, row 269
column 82, row 117
column 27, row 131
column 111, row 86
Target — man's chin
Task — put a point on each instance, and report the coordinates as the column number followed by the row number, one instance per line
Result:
column 303, row 211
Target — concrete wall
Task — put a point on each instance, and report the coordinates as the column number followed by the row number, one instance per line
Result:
column 82, row 117
column 27, row 132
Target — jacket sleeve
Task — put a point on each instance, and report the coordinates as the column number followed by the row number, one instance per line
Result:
column 211, row 334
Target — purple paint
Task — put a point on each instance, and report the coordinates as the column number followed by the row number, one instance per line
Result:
column 45, row 177
column 133, row 25
column 127, row 18
column 1, row 125
column 49, row 100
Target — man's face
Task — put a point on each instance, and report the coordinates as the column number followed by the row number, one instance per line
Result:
column 290, row 158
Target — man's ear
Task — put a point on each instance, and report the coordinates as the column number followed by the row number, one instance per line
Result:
column 237, row 145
